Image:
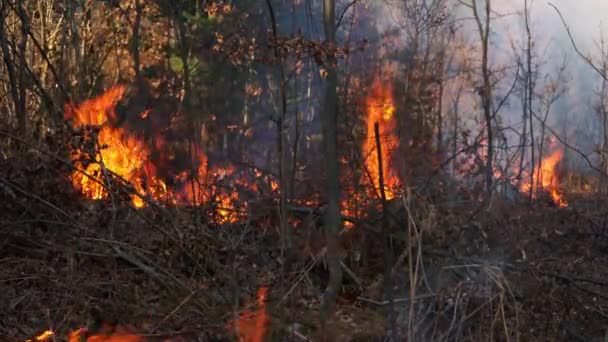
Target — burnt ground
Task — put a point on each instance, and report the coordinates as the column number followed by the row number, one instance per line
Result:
column 514, row 272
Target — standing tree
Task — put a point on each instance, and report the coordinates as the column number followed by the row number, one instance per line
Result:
column 601, row 108
column 485, row 89
column 330, row 142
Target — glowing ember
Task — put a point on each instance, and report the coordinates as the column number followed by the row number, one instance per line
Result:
column 120, row 335
column 251, row 325
column 45, row 336
column 547, row 179
column 380, row 109
column 81, row 335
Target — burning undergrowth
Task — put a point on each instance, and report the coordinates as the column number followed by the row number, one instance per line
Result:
column 135, row 264
column 68, row 264
column 104, row 271
column 160, row 169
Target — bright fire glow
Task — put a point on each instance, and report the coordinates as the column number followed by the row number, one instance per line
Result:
column 547, row 178
column 127, row 155
column 80, row 335
column 118, row 336
column 251, row 325
column 120, row 153
column 380, row 109
column 44, row 336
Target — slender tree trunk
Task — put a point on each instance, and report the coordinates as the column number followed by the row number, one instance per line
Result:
column 530, row 94
column 604, row 118
column 486, row 90
column 524, row 137
column 386, row 243
column 25, row 29
column 439, row 113
column 135, row 44
column 184, row 50
column 605, row 140
column 285, row 230
column 330, row 142
column 8, row 59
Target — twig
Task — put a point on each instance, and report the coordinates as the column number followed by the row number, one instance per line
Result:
column 187, row 299
column 396, row 300
column 351, row 274
column 576, row 49
column 352, row 3
column 39, row 199
column 303, row 274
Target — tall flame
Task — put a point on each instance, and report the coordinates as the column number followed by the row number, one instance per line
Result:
column 121, row 153
column 128, row 156
column 381, row 109
column 546, row 177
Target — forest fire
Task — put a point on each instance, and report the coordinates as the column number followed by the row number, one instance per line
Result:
column 124, row 155
column 117, row 336
column 82, row 335
column 251, row 325
column 546, row 177
column 380, row 108
column 128, row 156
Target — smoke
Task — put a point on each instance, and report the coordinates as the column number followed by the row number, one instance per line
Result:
column 383, row 25
column 573, row 116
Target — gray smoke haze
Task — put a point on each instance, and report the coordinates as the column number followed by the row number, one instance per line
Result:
column 573, row 115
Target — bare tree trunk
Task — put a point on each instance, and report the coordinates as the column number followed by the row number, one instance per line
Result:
column 330, row 142
column 486, row 88
column 285, row 230
column 8, row 61
column 604, row 113
column 184, row 51
column 135, row 44
column 439, row 114
column 530, row 94
column 388, row 253
column 523, row 141
column 455, row 126
column 25, row 28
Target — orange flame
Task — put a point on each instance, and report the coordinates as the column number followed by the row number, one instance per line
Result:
column 120, row 335
column 120, row 153
column 381, row 109
column 251, row 325
column 44, row 336
column 547, row 178
column 80, row 335
column 128, row 156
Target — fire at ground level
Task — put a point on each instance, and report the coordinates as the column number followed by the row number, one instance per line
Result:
column 143, row 272
column 149, row 166
column 109, row 273
column 539, row 273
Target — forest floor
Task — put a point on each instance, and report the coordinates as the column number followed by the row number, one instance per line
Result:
column 514, row 272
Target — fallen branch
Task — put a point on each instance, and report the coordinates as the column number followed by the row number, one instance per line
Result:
column 396, row 300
